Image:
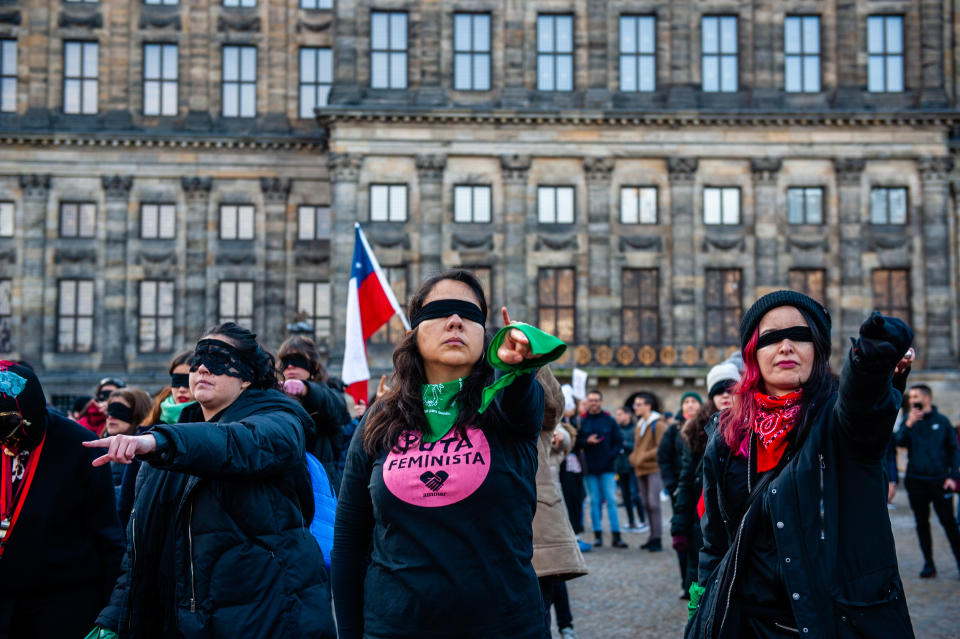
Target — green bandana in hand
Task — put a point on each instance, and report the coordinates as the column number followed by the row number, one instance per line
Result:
column 547, row 346
column 440, row 407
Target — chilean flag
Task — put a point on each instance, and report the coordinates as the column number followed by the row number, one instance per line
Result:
column 370, row 304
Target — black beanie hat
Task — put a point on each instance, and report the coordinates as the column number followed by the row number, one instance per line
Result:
column 811, row 309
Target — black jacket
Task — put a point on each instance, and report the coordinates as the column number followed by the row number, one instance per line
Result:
column 219, row 544
column 932, row 443
column 669, row 458
column 828, row 516
column 689, row 489
column 600, row 457
column 324, row 434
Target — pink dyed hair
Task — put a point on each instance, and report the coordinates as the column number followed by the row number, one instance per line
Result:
column 735, row 423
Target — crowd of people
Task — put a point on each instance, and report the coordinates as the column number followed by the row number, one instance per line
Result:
column 251, row 497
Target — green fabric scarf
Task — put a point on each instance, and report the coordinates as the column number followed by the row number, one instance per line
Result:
column 547, row 346
column 170, row 410
column 440, row 407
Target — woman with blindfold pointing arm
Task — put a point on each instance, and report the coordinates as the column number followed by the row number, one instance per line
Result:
column 218, row 543
column 433, row 534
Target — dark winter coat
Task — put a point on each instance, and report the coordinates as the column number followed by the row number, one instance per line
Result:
column 689, row 489
column 328, row 412
column 932, row 445
column 827, row 512
column 600, row 457
column 219, row 544
column 669, row 458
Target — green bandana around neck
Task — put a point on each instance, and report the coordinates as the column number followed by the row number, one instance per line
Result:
column 170, row 410
column 547, row 346
column 440, row 408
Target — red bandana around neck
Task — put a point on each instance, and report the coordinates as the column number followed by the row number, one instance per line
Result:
column 775, row 417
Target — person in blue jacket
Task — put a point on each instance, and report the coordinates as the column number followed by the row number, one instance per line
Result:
column 601, row 441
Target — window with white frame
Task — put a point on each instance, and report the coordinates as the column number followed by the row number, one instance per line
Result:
column 885, row 54
column 388, row 202
column 6, row 316
column 554, row 52
column 160, row 71
column 158, row 221
column 801, row 48
column 82, row 1
column 555, row 205
column 155, row 320
column 888, row 205
column 313, row 222
column 239, row 81
column 638, row 53
column 75, row 316
column 805, row 205
column 316, row 78
column 388, row 50
column 170, row 3
column 471, row 203
column 80, row 84
column 638, row 205
column 8, row 75
column 77, row 219
column 239, row 3
column 236, row 221
column 316, row 4
column 7, row 211
column 721, row 205
column 471, row 51
column 313, row 301
column 236, row 302
column 719, row 53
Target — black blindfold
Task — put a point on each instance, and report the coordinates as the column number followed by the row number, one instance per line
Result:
column 180, row 380
column 297, row 360
column 446, row 308
column 120, row 411
column 221, row 358
column 794, row 334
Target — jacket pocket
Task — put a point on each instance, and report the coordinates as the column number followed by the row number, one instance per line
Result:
column 885, row 617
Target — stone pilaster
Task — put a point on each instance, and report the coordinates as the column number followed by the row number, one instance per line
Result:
column 855, row 295
column 768, row 240
column 683, row 174
column 112, row 334
column 344, row 172
column 515, row 170
column 850, row 77
column 598, row 172
column 275, row 193
column 197, row 317
column 36, row 193
column 936, row 262
column 933, row 93
column 430, row 176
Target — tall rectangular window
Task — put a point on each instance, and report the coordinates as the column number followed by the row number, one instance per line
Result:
column 640, row 310
column 239, row 3
column 891, row 292
column 7, row 211
column 165, row 2
column 158, row 221
column 638, row 53
column 316, row 4
column 555, row 205
column 77, row 219
column 6, row 316
column 388, row 50
column 801, row 48
column 313, row 302
column 236, row 302
column 388, row 202
column 888, row 205
column 155, row 320
column 236, row 221
column 721, row 205
column 810, row 282
column 556, row 297
column 316, row 78
column 239, row 82
column 160, row 72
column 8, row 75
column 393, row 331
column 471, row 203
column 719, row 49
column 554, row 52
column 313, row 222
column 471, row 51
column 805, row 205
column 638, row 205
column 80, row 85
column 75, row 316
column 885, row 54
column 723, row 306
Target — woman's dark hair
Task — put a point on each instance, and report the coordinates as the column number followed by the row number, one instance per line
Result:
column 401, row 409
column 305, row 347
column 139, row 402
column 179, row 360
column 245, row 341
column 693, row 430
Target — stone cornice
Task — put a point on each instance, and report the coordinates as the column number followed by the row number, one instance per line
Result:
column 107, row 140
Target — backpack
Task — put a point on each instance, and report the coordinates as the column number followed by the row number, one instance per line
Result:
column 325, row 507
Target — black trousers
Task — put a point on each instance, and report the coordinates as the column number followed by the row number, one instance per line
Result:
column 554, row 593
column 571, row 484
column 631, row 496
column 922, row 494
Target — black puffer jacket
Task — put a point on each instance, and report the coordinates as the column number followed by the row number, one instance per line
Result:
column 218, row 538
column 689, row 489
column 669, row 458
column 828, row 515
column 328, row 411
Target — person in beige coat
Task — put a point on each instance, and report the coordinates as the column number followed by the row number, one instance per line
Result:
column 646, row 439
column 556, row 555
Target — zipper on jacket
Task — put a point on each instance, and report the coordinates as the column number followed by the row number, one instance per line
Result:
column 133, row 562
column 193, row 590
column 733, row 578
column 822, row 522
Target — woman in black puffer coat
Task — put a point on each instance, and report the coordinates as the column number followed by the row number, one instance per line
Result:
column 218, row 540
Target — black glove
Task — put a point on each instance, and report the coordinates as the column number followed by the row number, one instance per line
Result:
column 883, row 340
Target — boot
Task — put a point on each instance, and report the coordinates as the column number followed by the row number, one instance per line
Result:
column 653, row 545
column 599, row 538
column 929, row 570
column 618, row 542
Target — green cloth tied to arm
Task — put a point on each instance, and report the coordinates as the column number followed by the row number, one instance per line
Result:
column 696, row 591
column 548, row 347
column 101, row 633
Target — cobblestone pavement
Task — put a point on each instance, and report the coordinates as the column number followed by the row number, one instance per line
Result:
column 634, row 594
